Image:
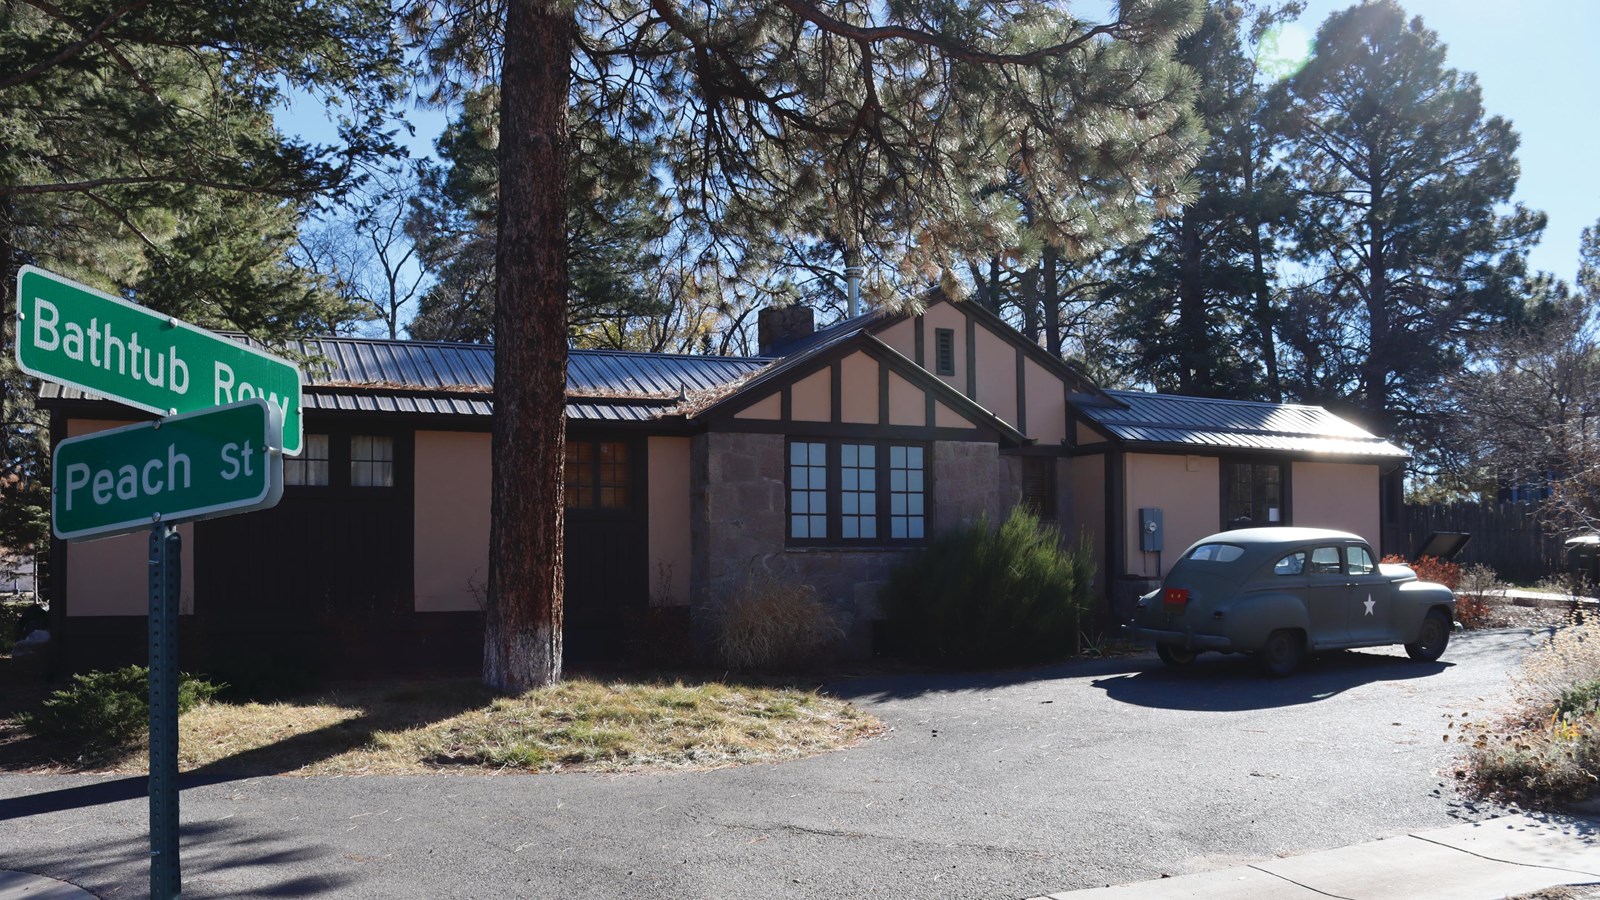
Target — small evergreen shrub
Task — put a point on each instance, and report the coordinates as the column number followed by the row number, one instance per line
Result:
column 984, row 596
column 772, row 622
column 1579, row 700
column 109, row 709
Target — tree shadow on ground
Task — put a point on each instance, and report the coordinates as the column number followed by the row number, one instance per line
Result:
column 381, row 707
column 920, row 683
column 219, row 859
column 1232, row 683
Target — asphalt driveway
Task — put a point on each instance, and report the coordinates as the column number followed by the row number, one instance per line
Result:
column 994, row 786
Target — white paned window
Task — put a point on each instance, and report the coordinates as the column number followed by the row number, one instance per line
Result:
column 371, row 461
column 310, row 468
column 808, row 490
column 907, row 494
column 858, row 492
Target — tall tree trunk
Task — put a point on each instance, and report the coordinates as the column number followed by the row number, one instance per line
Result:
column 993, row 298
column 522, row 624
column 1028, row 297
column 1052, row 304
column 1264, row 314
column 1376, row 367
column 1194, row 355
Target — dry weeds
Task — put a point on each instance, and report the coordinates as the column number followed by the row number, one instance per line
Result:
column 1537, row 753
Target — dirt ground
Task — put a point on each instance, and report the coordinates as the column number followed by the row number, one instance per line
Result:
column 1504, row 613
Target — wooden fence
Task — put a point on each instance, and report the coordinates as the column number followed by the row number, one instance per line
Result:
column 1505, row 536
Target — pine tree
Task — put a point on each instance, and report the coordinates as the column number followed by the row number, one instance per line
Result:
column 1400, row 179
column 615, row 224
column 1193, row 299
column 138, row 154
column 881, row 127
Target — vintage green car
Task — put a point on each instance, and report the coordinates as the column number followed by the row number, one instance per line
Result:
column 1281, row 593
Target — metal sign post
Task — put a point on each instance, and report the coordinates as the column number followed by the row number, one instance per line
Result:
column 232, row 413
column 166, row 574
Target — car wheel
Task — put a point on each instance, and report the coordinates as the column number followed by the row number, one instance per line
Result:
column 1282, row 652
column 1175, row 656
column 1435, row 636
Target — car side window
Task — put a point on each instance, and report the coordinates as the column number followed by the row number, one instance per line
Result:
column 1325, row 561
column 1293, row 564
column 1359, row 561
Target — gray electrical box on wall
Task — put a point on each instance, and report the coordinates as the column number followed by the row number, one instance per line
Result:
column 1150, row 530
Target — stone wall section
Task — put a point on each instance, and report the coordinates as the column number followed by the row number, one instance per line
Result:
column 738, row 510
column 966, row 483
column 1010, row 485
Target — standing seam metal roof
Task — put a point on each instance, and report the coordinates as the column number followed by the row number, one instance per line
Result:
column 437, row 378
column 1234, row 424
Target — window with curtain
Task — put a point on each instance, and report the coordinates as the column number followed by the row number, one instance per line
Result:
column 371, row 460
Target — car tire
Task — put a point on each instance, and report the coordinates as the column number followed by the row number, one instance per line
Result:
column 1282, row 652
column 1433, row 638
column 1175, row 656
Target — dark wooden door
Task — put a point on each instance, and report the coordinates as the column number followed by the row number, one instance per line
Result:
column 607, row 554
column 322, row 582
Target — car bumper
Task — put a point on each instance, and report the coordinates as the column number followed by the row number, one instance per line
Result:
column 1186, row 639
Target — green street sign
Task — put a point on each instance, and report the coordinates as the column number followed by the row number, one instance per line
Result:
column 90, row 340
column 193, row 466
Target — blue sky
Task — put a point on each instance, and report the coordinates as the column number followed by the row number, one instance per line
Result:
column 1538, row 62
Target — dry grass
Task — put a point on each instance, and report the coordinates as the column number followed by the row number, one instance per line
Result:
column 1539, row 753
column 579, row 725
column 773, row 621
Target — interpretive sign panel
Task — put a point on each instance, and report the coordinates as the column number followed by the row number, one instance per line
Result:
column 180, row 469
column 88, row 339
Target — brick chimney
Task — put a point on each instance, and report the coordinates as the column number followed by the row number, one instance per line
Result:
column 777, row 326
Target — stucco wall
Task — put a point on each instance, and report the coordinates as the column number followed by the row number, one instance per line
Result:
column 1336, row 495
column 1188, row 491
column 669, row 520
column 111, row 577
column 902, row 336
column 996, row 362
column 943, row 315
column 737, row 521
column 450, row 529
column 907, row 402
column 858, row 397
column 811, row 398
column 1046, row 406
column 769, row 407
column 1085, row 514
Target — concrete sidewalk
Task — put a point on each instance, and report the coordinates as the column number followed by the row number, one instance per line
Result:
column 23, row 886
column 1493, row 859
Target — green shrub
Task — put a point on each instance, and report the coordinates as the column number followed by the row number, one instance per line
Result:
column 983, row 596
column 1580, row 699
column 109, row 709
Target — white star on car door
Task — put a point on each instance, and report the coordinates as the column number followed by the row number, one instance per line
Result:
column 1369, row 603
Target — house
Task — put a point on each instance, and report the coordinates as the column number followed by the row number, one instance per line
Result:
column 831, row 456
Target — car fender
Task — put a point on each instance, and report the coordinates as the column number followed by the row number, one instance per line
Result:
column 1248, row 619
column 1414, row 600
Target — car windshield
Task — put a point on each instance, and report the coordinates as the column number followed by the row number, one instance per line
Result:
column 1216, row 552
